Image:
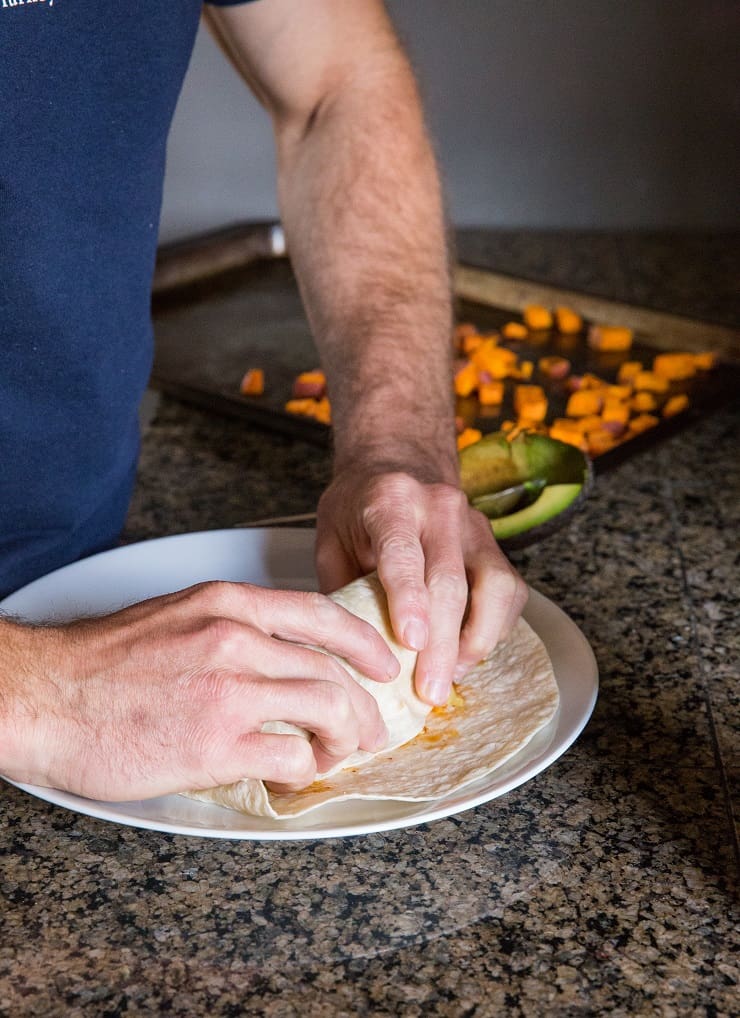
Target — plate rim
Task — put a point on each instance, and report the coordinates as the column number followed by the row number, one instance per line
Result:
column 295, row 830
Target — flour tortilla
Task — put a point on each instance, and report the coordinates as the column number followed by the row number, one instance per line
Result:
column 506, row 700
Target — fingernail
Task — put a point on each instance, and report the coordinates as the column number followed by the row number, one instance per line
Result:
column 415, row 634
column 394, row 667
column 437, row 691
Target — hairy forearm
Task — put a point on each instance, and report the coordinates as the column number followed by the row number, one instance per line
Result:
column 20, row 691
column 361, row 203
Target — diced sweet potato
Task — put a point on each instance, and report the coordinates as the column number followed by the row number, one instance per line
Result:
column 568, row 321
column 628, row 370
column 524, row 372
column 466, row 379
column 642, row 423
column 309, row 384
column 616, row 411
column 705, row 361
column 618, row 391
column 496, row 360
column 530, row 402
column 643, row 402
column 591, row 422
column 648, row 381
column 468, row 437
column 590, row 381
column 583, row 402
column 303, row 406
column 322, row 410
column 609, row 338
column 470, row 343
column 514, row 330
column 253, row 383
column 675, row 405
column 537, row 318
column 490, row 393
column 554, row 366
column 674, row 366
column 565, row 429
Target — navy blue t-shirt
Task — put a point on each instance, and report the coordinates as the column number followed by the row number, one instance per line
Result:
column 87, row 93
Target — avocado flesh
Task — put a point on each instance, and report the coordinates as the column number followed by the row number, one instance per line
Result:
column 555, row 499
column 495, row 463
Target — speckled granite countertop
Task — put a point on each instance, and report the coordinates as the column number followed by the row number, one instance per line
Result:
column 604, row 886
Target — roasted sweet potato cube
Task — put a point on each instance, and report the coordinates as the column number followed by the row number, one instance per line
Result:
column 642, row 423
column 705, row 361
column 471, row 343
column 468, row 437
column 610, row 338
column 675, row 366
column 554, row 366
column 466, row 379
column 583, row 402
column 565, row 429
column 648, row 381
column 643, row 402
column 568, row 321
column 618, row 391
column 537, row 318
column 615, row 410
column 309, row 384
column 496, row 360
column 515, row 330
column 253, row 383
column 628, row 370
column 530, row 401
column 490, row 393
column 675, row 405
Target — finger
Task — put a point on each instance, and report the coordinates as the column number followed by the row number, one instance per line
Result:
column 497, row 598
column 448, row 592
column 394, row 531
column 287, row 762
column 341, row 718
column 293, row 678
column 316, row 619
column 291, row 616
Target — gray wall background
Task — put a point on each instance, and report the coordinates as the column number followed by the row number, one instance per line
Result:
column 578, row 113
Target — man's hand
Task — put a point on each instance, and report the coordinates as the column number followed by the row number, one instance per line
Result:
column 171, row 694
column 452, row 594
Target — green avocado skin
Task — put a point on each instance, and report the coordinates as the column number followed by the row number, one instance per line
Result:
column 555, row 499
column 495, row 463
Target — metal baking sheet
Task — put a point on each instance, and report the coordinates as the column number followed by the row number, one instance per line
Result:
column 209, row 332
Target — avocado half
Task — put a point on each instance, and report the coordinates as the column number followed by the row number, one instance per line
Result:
column 495, row 463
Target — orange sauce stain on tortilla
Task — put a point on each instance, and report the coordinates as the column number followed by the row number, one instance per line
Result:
column 431, row 738
column 318, row 786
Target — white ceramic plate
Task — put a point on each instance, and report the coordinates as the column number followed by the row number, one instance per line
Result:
column 284, row 558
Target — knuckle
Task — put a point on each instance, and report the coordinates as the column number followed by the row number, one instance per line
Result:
column 296, row 763
column 449, row 585
column 220, row 639
column 334, row 703
column 451, row 498
column 321, row 612
column 213, row 596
